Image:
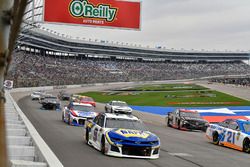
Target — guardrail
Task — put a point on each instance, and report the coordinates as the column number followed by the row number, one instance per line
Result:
column 25, row 146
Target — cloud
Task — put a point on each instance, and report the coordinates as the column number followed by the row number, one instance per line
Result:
column 198, row 24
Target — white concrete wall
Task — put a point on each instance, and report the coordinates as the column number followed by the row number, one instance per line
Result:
column 25, row 146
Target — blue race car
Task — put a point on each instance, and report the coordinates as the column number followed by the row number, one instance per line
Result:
column 231, row 133
column 122, row 135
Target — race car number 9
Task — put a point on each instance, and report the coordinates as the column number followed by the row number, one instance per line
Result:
column 231, row 137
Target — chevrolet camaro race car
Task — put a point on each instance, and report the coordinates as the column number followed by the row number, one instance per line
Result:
column 122, row 135
column 87, row 100
column 77, row 113
column 63, row 95
column 186, row 120
column 36, row 95
column 118, row 107
column 50, row 102
column 231, row 133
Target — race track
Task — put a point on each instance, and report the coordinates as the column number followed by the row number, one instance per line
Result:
column 178, row 148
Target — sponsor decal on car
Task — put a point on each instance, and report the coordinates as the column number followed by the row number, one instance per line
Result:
column 132, row 133
column 86, row 114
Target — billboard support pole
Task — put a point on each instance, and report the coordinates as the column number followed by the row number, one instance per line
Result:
column 5, row 17
column 33, row 11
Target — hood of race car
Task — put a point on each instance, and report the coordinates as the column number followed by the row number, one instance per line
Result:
column 85, row 114
column 248, row 133
column 51, row 101
column 132, row 137
column 122, row 107
column 194, row 119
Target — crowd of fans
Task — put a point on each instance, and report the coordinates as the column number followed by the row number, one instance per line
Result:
column 239, row 81
column 29, row 69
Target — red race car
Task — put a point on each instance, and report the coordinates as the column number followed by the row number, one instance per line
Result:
column 88, row 100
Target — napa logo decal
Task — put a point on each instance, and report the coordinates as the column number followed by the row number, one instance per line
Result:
column 132, row 133
column 82, row 8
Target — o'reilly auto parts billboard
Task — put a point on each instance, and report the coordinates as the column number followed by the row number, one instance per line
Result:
column 104, row 13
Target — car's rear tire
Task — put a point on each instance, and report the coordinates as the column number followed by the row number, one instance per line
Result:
column 69, row 120
column 216, row 138
column 103, row 145
column 246, row 145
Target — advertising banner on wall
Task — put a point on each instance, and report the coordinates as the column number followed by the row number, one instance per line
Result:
column 8, row 84
column 103, row 13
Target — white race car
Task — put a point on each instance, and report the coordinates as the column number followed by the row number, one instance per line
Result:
column 36, row 95
column 231, row 133
column 77, row 113
column 122, row 135
column 118, row 107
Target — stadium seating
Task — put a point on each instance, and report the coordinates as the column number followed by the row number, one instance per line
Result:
column 29, row 69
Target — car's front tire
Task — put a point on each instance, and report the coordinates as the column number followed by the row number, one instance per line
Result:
column 69, row 120
column 216, row 138
column 168, row 121
column 87, row 136
column 179, row 124
column 103, row 145
column 62, row 116
column 246, row 145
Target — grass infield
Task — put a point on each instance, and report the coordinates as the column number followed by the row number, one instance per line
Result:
column 176, row 95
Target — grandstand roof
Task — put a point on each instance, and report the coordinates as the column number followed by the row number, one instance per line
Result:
column 41, row 39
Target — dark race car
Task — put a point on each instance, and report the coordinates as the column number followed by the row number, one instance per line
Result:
column 64, row 95
column 50, row 103
column 186, row 120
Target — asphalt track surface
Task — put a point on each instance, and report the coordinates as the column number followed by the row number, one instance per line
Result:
column 178, row 148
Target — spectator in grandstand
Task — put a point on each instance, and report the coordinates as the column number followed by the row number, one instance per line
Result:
column 240, row 81
column 29, row 69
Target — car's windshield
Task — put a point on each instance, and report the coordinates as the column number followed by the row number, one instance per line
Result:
column 246, row 127
column 124, row 124
column 190, row 114
column 122, row 104
column 75, row 96
column 83, row 108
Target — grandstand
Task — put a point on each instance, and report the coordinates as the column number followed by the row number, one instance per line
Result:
column 235, row 80
column 43, row 57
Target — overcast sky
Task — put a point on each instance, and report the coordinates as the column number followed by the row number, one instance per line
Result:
column 189, row 24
